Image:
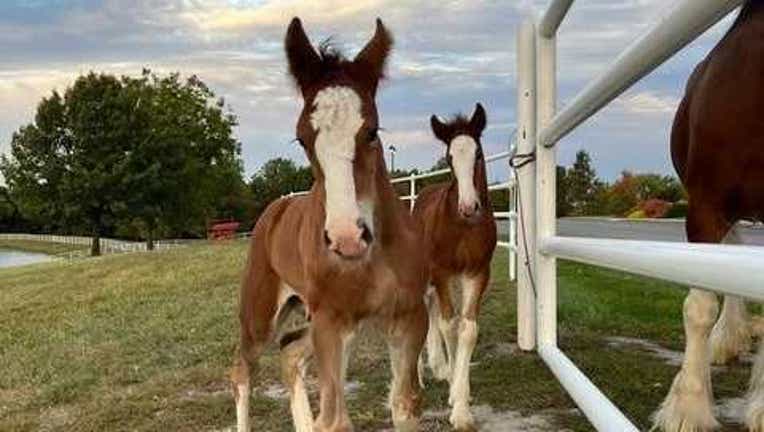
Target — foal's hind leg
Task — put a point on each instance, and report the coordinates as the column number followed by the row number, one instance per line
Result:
column 437, row 358
column 731, row 335
column 296, row 350
column 473, row 288
column 406, row 337
column 689, row 404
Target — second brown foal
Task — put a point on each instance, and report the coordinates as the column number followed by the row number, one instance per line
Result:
column 460, row 237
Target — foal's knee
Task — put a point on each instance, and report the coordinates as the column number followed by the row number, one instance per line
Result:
column 700, row 310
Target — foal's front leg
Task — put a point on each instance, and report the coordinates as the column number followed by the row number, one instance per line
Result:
column 406, row 337
column 331, row 339
column 473, row 288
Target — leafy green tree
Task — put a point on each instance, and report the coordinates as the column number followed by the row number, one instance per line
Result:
column 564, row 206
column 186, row 163
column 582, row 185
column 278, row 177
column 70, row 163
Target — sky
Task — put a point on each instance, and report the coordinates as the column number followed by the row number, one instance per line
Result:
column 448, row 55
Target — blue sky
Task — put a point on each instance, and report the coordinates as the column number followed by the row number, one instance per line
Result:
column 449, row 54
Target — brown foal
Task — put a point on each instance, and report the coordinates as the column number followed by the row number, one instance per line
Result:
column 717, row 146
column 349, row 251
column 460, row 237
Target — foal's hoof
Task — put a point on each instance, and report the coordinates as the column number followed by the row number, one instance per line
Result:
column 461, row 419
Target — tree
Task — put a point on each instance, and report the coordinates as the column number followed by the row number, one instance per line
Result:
column 278, row 177
column 186, row 164
column 564, row 206
column 145, row 153
column 69, row 165
column 582, row 185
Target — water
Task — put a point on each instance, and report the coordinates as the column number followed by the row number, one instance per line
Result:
column 13, row 258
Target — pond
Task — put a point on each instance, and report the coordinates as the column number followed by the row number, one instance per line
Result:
column 13, row 258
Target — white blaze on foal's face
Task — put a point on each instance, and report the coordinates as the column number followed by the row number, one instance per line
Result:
column 337, row 119
column 463, row 151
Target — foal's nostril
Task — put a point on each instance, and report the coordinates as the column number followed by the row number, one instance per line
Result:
column 326, row 238
column 476, row 207
column 366, row 234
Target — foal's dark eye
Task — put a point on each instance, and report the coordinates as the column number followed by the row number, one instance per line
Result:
column 373, row 135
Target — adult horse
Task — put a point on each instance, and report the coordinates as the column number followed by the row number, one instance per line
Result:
column 717, row 146
column 348, row 251
column 460, row 237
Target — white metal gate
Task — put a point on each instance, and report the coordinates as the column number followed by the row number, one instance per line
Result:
column 540, row 127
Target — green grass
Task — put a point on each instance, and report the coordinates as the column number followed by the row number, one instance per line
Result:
column 41, row 246
column 142, row 342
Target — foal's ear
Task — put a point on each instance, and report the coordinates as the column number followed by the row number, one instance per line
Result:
column 304, row 61
column 372, row 59
column 440, row 129
column 478, row 120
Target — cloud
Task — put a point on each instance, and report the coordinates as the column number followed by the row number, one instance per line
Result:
column 448, row 55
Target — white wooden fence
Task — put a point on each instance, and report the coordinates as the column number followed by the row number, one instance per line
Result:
column 107, row 245
column 720, row 268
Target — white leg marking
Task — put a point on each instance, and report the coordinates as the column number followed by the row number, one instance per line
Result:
column 403, row 420
column 436, row 356
column 242, row 407
column 754, row 414
column 461, row 418
column 689, row 406
column 731, row 335
column 463, row 150
column 302, row 416
column 449, row 332
column 459, row 395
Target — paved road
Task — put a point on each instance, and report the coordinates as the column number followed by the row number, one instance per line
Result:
column 637, row 230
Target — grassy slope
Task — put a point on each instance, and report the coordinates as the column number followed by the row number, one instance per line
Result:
column 143, row 341
column 40, row 247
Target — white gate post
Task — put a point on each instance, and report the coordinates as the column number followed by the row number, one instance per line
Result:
column 526, row 143
column 512, row 222
column 413, row 192
column 546, row 192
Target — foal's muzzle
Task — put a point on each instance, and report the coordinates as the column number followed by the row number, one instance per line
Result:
column 350, row 243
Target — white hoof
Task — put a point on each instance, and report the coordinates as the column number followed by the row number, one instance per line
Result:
column 687, row 408
column 729, row 340
column 461, row 418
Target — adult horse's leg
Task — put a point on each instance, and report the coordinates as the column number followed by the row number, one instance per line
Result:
column 448, row 323
column 437, row 358
column 406, row 337
column 689, row 404
column 731, row 335
column 472, row 289
column 331, row 339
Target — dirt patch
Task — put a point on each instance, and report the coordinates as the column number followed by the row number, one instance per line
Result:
column 279, row 392
column 671, row 357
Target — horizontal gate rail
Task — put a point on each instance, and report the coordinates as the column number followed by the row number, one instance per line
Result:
column 692, row 264
column 677, row 29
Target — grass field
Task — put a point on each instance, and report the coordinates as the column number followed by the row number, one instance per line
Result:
column 142, row 342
